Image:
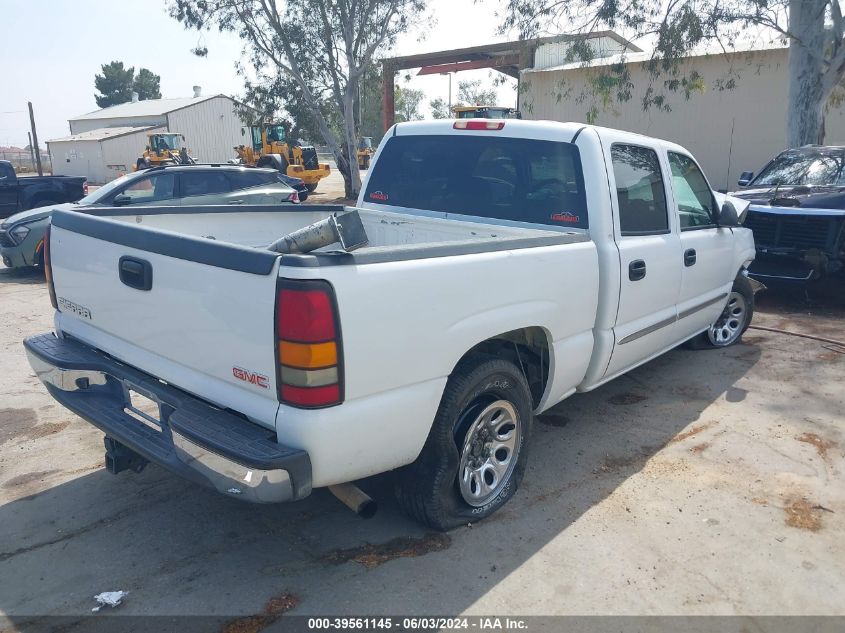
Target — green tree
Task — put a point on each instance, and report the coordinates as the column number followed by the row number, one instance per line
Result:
column 814, row 29
column 371, row 105
column 147, row 85
column 471, row 93
column 439, row 108
column 114, row 85
column 407, row 102
column 117, row 84
column 324, row 47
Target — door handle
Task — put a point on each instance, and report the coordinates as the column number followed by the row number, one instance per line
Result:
column 235, row 202
column 689, row 257
column 636, row 270
column 135, row 273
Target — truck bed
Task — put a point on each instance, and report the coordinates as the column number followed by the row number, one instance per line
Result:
column 391, row 235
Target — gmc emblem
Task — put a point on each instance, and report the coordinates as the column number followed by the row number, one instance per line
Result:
column 254, row 379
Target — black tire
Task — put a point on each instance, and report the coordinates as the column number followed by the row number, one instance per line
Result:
column 273, row 161
column 428, row 490
column 312, row 187
column 742, row 287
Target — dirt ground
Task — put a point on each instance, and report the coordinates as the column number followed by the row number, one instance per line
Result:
column 701, row 483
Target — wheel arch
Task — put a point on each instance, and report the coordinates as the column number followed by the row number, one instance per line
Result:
column 529, row 348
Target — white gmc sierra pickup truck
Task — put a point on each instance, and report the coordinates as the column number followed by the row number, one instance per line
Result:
column 510, row 264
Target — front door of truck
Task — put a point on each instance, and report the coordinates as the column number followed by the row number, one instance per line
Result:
column 708, row 254
column 649, row 256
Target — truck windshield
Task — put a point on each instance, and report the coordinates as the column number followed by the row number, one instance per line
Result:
column 494, row 177
column 802, row 167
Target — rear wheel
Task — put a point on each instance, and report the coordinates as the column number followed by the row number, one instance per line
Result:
column 312, row 187
column 734, row 320
column 476, row 452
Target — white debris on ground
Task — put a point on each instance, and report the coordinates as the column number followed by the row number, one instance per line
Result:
column 109, row 599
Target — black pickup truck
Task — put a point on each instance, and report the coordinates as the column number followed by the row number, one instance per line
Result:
column 19, row 194
column 797, row 214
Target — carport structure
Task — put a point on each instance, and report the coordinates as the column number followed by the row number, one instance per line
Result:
column 508, row 58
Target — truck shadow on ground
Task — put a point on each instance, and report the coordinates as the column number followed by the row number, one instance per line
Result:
column 27, row 275
column 179, row 549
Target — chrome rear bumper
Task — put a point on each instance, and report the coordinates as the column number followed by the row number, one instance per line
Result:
column 192, row 438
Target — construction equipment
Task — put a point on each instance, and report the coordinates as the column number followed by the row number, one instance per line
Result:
column 164, row 148
column 365, row 152
column 485, row 112
column 270, row 148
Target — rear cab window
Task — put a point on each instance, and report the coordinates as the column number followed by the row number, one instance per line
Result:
column 493, row 177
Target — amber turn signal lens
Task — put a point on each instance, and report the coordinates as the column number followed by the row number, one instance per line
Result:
column 308, row 355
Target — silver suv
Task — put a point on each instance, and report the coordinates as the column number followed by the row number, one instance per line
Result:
column 21, row 235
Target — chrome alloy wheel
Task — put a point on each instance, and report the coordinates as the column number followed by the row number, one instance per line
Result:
column 490, row 453
column 728, row 327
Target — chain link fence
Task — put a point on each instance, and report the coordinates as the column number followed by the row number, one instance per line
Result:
column 24, row 162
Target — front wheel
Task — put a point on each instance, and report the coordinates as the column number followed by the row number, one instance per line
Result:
column 734, row 320
column 476, row 452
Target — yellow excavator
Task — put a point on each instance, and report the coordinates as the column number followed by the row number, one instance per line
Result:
column 485, row 112
column 164, row 148
column 270, row 148
column 365, row 152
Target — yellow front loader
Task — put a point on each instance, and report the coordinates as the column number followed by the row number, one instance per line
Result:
column 164, row 148
column 270, row 148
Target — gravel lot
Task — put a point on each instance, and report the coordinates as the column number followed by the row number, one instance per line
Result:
column 701, row 483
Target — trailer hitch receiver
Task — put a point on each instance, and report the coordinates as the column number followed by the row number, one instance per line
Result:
column 120, row 457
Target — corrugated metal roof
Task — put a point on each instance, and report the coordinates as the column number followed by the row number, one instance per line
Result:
column 644, row 56
column 104, row 132
column 148, row 107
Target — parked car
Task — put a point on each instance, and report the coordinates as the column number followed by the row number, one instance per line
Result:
column 22, row 235
column 797, row 214
column 510, row 264
column 297, row 184
column 19, row 194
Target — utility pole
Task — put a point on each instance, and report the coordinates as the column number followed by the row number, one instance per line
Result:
column 31, row 151
column 34, row 143
column 450, row 90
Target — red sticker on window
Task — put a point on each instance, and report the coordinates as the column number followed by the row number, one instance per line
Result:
column 378, row 195
column 569, row 218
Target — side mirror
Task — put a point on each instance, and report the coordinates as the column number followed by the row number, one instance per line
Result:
column 121, row 200
column 243, row 132
column 728, row 215
column 745, row 178
column 183, row 137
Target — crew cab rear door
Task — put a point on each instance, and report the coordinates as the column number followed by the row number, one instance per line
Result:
column 649, row 252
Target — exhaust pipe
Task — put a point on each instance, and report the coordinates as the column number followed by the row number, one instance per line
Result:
column 346, row 229
column 355, row 499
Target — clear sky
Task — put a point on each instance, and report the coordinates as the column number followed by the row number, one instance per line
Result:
column 51, row 50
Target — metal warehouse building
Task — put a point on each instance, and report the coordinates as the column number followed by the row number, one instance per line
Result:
column 106, row 143
column 728, row 129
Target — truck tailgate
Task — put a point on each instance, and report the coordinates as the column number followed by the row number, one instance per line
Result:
column 205, row 324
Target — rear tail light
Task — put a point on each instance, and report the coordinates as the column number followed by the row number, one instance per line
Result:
column 48, row 269
column 294, row 197
column 478, row 124
column 85, row 187
column 310, row 367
